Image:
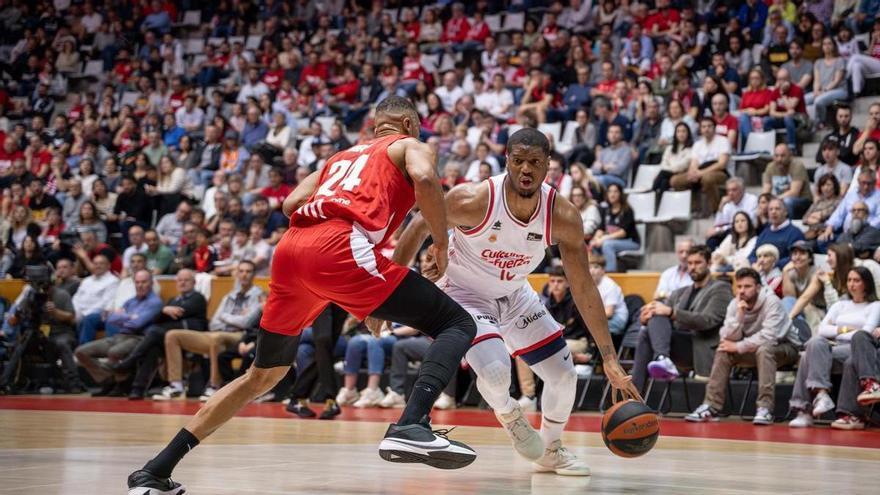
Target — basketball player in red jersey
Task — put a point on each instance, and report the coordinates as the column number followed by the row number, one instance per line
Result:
column 340, row 218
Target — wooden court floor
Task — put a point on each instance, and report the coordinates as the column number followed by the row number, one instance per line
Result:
column 87, row 452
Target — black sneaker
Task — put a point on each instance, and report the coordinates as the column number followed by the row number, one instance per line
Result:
column 136, row 394
column 142, row 482
column 105, row 389
column 331, row 410
column 416, row 443
column 119, row 390
column 300, row 408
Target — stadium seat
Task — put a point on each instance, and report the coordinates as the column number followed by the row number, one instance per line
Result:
column 674, row 205
column 94, row 68
column 191, row 18
column 193, row 46
column 326, row 122
column 252, row 42
column 514, row 21
column 642, row 205
column 758, row 145
column 640, row 252
column 554, row 129
column 644, row 180
column 566, row 143
column 494, row 22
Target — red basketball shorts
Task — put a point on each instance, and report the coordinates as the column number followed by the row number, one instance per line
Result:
column 329, row 262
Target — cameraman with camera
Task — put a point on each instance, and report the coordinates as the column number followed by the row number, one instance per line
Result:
column 43, row 316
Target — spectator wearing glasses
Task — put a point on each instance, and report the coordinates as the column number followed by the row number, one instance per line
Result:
column 842, row 216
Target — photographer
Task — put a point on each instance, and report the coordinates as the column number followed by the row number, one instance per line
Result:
column 40, row 305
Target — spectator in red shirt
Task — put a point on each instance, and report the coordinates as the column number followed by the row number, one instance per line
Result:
column 540, row 95
column 315, row 73
column 411, row 24
column 347, row 90
column 755, row 103
column 606, row 86
column 274, row 75
column 413, row 70
column 725, row 124
column 664, row 21
column 872, row 128
column 479, row 31
column 123, row 68
column 37, row 157
column 277, row 190
column 9, row 153
column 787, row 108
column 456, row 29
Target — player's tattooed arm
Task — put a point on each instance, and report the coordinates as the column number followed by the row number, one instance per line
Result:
column 568, row 233
column 301, row 194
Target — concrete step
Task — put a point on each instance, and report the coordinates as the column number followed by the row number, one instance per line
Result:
column 861, row 105
column 697, row 228
column 810, row 149
column 657, row 262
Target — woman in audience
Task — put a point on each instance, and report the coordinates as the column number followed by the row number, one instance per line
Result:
column 29, row 255
column 813, row 48
column 617, row 231
column 823, row 206
column 111, row 174
column 761, row 213
column 676, row 157
column 583, row 177
column 797, row 276
column 88, row 220
column 733, row 252
column 765, row 265
column 712, row 85
column 755, row 103
column 738, row 56
column 861, row 65
column 171, row 188
column 435, row 111
column 20, row 227
column 830, row 284
column 590, row 216
column 87, row 175
column 364, row 345
column 279, row 133
column 186, row 156
column 675, row 115
column 103, row 199
column 829, row 83
column 859, row 313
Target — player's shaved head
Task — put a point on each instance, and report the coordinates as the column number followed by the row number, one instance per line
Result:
column 528, row 136
column 397, row 114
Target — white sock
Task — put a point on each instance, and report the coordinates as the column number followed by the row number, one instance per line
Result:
column 551, row 431
column 177, row 385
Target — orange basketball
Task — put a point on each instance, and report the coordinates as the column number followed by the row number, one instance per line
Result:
column 630, row 428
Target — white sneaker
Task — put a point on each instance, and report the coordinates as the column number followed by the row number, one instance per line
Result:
column 526, row 441
column 803, row 420
column 444, row 402
column 822, row 403
column 370, row 397
column 168, row 393
column 528, row 404
column 209, row 391
column 347, row 396
column 583, row 370
column 392, row 399
column 662, row 369
column 560, row 460
column 763, row 417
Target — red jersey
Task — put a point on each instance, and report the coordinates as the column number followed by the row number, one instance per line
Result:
column 725, row 125
column 756, row 99
column 793, row 92
column 363, row 186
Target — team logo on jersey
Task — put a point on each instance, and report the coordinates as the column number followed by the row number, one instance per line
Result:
column 505, row 259
column 493, row 238
column 496, row 225
column 527, row 320
column 486, row 319
column 534, row 237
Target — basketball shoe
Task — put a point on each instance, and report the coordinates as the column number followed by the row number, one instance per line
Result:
column 416, row 443
column 142, row 482
column 560, row 460
column 526, row 441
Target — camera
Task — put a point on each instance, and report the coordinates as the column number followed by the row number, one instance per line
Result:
column 30, row 309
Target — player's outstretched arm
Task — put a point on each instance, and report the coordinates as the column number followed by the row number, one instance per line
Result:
column 301, row 194
column 466, row 204
column 421, row 166
column 568, row 233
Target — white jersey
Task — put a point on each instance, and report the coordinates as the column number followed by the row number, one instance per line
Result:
column 495, row 257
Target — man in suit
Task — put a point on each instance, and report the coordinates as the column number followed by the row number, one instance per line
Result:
column 187, row 310
column 684, row 329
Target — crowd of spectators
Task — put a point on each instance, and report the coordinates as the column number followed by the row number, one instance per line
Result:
column 159, row 138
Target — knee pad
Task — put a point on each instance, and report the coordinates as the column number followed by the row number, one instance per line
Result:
column 496, row 376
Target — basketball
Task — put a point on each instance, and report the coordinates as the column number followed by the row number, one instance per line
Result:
column 630, row 428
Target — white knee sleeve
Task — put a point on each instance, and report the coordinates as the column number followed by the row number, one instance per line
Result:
column 491, row 363
column 560, row 382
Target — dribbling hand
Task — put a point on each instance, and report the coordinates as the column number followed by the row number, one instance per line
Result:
column 621, row 383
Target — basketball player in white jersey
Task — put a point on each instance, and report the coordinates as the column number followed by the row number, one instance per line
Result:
column 501, row 228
